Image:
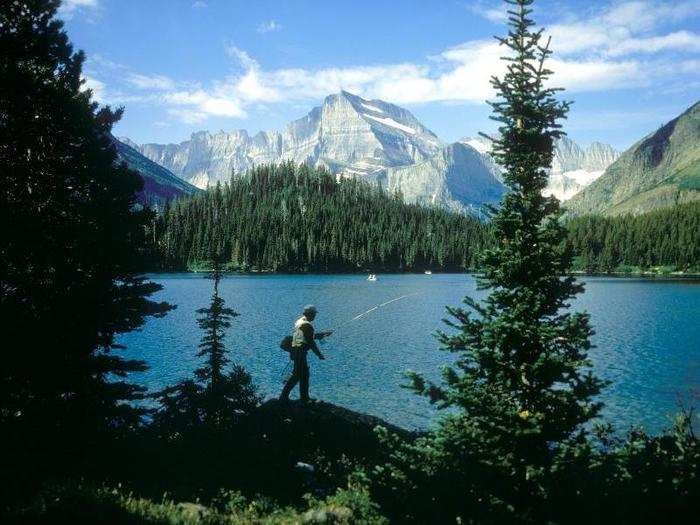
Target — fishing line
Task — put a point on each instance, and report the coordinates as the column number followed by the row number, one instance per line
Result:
column 376, row 307
column 358, row 317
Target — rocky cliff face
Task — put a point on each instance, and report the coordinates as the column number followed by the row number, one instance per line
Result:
column 347, row 134
column 378, row 142
column 457, row 178
column 570, row 157
column 660, row 170
column 159, row 184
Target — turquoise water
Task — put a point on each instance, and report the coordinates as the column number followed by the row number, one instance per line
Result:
column 647, row 337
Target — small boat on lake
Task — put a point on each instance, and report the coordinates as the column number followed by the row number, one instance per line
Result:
column 372, row 277
column 428, row 272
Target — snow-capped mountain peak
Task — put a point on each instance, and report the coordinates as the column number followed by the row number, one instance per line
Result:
column 373, row 140
column 348, row 134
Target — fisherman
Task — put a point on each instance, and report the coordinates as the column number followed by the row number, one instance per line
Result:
column 303, row 339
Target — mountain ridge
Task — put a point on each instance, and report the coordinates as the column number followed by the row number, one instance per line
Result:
column 458, row 178
column 377, row 141
column 346, row 132
column 660, row 170
column 159, row 184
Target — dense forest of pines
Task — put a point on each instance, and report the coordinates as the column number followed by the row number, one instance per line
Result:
column 297, row 218
column 667, row 237
column 315, row 223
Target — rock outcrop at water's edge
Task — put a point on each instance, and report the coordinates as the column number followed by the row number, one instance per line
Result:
column 306, row 426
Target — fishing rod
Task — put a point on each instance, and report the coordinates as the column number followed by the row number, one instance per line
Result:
column 358, row 317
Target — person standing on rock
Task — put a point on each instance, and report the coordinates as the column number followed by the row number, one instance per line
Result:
column 303, row 339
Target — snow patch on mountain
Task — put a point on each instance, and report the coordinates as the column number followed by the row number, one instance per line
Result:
column 573, row 167
column 479, row 145
column 371, row 108
column 392, row 123
column 583, row 177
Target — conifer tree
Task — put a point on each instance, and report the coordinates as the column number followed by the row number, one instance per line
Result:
column 521, row 382
column 313, row 223
column 214, row 399
column 72, row 239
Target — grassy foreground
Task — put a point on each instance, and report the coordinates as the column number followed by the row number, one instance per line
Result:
column 86, row 504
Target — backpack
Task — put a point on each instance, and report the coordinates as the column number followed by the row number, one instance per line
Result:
column 286, row 343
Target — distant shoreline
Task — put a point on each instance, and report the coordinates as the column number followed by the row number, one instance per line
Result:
column 622, row 275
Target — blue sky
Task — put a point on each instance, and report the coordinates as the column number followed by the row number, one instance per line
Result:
column 178, row 66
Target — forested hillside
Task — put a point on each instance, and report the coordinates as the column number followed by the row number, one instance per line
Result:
column 315, row 223
column 668, row 237
column 297, row 218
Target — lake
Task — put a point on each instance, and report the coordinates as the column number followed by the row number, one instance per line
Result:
column 647, row 338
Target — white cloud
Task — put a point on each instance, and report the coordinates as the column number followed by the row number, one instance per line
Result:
column 97, row 87
column 494, row 12
column 597, row 75
column 251, row 87
column 460, row 74
column 678, row 41
column 269, row 27
column 644, row 15
column 245, row 60
column 188, row 116
column 625, row 28
column 194, row 106
column 623, row 46
column 199, row 4
column 155, row 82
column 70, row 7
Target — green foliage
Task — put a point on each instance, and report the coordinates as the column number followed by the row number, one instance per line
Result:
column 656, row 478
column 81, row 503
column 312, row 222
column 358, row 227
column 215, row 398
column 71, row 250
column 520, row 384
column 666, row 237
column 515, row 445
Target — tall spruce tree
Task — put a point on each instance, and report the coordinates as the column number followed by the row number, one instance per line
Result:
column 521, row 381
column 215, row 399
column 226, row 396
column 71, row 243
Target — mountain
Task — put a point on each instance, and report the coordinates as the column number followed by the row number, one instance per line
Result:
column 378, row 142
column 347, row 134
column 457, row 178
column 352, row 137
column 573, row 167
column 160, row 185
column 660, row 170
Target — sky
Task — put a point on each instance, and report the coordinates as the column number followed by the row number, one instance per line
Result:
column 180, row 66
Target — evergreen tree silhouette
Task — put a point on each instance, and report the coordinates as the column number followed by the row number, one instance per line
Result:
column 72, row 244
column 314, row 223
column 215, row 399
